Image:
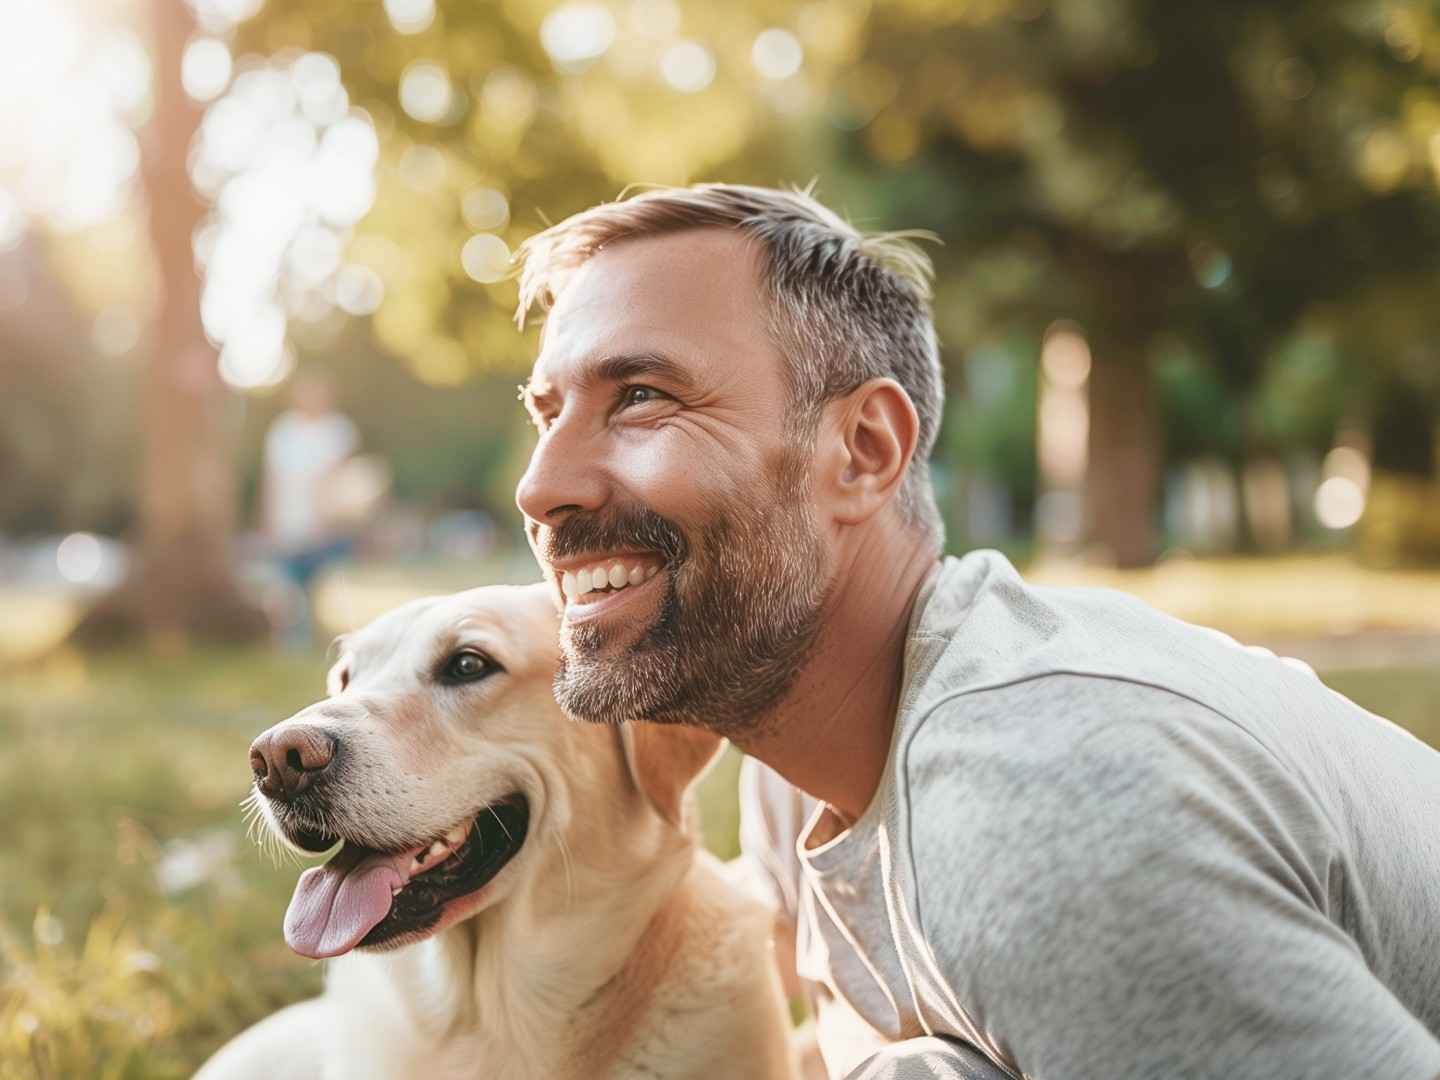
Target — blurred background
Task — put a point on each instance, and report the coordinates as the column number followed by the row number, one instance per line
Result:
column 258, row 370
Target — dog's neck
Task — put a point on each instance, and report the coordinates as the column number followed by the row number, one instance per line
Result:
column 544, row 985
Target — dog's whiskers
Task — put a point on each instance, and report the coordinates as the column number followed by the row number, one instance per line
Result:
column 259, row 832
column 501, row 823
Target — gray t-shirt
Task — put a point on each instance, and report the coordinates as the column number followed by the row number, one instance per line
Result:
column 1110, row 844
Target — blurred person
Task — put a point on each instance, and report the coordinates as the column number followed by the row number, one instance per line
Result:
column 305, row 450
column 1008, row 830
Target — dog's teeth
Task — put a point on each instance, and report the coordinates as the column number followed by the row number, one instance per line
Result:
column 456, row 836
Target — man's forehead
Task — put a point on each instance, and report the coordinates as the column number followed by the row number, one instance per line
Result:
column 686, row 294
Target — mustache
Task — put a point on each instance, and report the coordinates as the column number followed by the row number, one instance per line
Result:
column 634, row 527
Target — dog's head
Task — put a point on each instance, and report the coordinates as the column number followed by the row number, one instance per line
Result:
column 440, row 763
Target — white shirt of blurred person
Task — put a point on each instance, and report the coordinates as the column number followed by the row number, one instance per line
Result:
column 304, row 448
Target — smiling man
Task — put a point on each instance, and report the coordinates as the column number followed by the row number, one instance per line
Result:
column 1012, row 831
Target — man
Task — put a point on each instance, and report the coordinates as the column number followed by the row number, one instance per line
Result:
column 1049, row 830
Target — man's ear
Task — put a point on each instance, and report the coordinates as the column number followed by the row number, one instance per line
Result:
column 665, row 761
column 872, row 433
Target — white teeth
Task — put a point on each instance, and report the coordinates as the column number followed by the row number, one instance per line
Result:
column 439, row 850
column 576, row 584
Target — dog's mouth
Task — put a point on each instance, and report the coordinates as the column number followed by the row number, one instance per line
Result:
column 367, row 898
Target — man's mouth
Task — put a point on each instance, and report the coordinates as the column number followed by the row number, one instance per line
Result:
column 367, row 898
column 592, row 580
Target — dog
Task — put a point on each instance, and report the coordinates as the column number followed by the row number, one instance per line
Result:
column 516, row 896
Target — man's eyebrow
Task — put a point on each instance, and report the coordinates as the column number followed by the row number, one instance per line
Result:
column 540, row 396
column 626, row 367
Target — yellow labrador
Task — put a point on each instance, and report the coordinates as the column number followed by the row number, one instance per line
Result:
column 515, row 895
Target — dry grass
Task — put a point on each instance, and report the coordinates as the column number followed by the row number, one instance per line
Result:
column 138, row 925
column 1299, row 596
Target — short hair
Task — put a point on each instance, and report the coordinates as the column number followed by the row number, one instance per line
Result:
column 843, row 306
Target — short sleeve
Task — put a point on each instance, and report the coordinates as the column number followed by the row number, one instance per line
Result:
column 1136, row 888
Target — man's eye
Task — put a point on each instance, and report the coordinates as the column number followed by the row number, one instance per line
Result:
column 468, row 666
column 638, row 395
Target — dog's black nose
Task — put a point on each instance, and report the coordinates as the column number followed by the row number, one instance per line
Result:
column 287, row 758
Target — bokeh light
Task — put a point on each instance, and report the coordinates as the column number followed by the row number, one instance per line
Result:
column 777, row 53
column 577, row 34
column 358, row 290
column 1339, row 503
column 289, row 176
column 425, row 92
column 205, row 69
column 486, row 258
column 410, row 16
column 124, row 67
column 70, row 91
column 255, row 354
column 485, row 209
column 688, row 66
column 79, row 558
column 222, row 16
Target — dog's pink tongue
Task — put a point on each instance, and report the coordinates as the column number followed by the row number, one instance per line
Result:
column 337, row 904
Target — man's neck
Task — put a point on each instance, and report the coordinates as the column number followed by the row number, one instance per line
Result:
column 830, row 736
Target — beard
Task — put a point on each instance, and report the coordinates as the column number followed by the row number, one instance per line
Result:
column 739, row 615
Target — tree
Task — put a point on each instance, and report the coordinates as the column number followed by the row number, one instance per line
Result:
column 1227, row 174
column 181, row 583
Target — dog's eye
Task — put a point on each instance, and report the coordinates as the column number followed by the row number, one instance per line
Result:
column 468, row 666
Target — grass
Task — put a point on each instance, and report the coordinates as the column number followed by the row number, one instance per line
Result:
column 138, row 927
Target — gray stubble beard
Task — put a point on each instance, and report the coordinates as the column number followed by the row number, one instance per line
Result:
column 738, row 620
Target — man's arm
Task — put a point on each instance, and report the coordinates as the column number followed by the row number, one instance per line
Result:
column 1144, row 899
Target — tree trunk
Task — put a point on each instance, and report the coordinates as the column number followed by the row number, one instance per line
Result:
column 181, row 584
column 1122, row 476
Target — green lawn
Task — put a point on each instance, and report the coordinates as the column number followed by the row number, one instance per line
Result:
column 138, row 927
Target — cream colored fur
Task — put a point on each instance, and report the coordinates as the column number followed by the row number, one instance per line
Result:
column 610, row 946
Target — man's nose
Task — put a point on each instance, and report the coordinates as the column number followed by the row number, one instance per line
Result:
column 566, row 474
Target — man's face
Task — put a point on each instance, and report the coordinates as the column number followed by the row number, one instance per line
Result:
column 665, row 497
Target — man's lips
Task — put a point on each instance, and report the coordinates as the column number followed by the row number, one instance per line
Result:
column 584, row 579
column 595, row 604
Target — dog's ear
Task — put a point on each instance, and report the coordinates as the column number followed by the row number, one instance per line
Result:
column 666, row 760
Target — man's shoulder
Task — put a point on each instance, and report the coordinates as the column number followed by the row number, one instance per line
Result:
column 1060, row 755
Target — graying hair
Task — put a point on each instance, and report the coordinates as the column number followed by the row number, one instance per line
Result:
column 843, row 306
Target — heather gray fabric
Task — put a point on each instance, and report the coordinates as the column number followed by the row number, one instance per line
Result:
column 928, row 1058
column 1109, row 844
